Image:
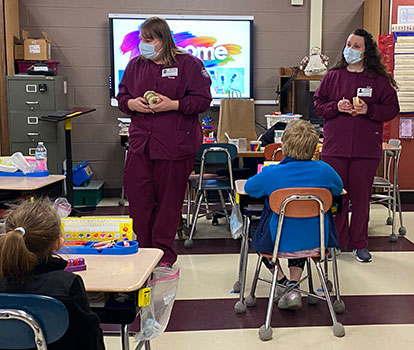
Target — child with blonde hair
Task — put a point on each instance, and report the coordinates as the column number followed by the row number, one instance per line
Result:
column 297, row 169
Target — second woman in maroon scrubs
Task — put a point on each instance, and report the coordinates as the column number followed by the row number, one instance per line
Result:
column 353, row 130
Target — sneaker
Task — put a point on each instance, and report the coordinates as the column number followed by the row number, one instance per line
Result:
column 280, row 287
column 290, row 301
column 362, row 255
column 338, row 252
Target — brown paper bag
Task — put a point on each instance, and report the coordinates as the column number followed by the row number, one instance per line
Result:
column 237, row 118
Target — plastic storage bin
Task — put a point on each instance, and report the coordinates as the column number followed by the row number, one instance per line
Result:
column 81, row 173
column 88, row 196
column 272, row 119
column 117, row 249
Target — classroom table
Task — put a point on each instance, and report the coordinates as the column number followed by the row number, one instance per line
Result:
column 12, row 187
column 20, row 183
column 251, row 154
column 118, row 274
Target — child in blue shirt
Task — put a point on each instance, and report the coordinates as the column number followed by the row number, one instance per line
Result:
column 297, row 169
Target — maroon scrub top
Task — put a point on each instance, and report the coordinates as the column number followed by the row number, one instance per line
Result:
column 170, row 135
column 359, row 136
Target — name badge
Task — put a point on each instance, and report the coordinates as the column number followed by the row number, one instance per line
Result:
column 170, row 72
column 364, row 92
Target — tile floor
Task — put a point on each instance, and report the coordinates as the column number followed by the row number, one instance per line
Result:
column 379, row 298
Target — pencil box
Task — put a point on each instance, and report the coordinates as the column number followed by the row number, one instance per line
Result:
column 88, row 248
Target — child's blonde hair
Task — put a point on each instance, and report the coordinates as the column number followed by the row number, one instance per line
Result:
column 31, row 232
column 299, row 140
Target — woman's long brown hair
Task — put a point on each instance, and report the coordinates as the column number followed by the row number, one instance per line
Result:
column 372, row 58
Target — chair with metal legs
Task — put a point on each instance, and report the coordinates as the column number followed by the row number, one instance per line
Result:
column 389, row 181
column 300, row 203
column 218, row 153
column 31, row 321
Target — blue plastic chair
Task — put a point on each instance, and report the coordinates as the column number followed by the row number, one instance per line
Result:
column 31, row 321
column 212, row 153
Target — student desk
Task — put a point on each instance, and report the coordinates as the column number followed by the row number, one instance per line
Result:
column 38, row 185
column 118, row 274
column 251, row 154
column 244, row 200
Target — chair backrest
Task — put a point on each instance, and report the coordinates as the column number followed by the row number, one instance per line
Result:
column 273, row 152
column 392, row 159
column 300, row 204
column 215, row 153
column 31, row 321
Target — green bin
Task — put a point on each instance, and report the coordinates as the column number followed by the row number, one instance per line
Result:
column 90, row 195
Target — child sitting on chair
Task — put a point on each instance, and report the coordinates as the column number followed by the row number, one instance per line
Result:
column 28, row 265
column 297, row 169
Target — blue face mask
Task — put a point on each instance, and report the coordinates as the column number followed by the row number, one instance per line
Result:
column 352, row 56
column 148, row 51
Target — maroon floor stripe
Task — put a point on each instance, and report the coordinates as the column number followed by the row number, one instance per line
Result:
column 218, row 314
column 360, row 310
column 231, row 246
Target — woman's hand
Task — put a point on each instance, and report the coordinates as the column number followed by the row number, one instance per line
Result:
column 165, row 104
column 139, row 104
column 361, row 108
column 344, row 106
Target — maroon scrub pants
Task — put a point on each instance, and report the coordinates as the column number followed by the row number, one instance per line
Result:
column 357, row 174
column 155, row 189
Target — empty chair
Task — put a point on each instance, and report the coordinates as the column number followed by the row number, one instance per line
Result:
column 31, row 321
column 273, row 152
column 219, row 153
column 389, row 182
column 300, row 203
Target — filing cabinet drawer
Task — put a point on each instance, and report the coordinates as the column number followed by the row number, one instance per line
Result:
column 27, row 127
column 31, row 95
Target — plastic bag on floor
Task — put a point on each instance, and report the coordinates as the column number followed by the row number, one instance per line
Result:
column 155, row 316
column 236, row 222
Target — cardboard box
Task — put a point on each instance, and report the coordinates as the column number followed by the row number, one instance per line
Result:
column 18, row 52
column 36, row 49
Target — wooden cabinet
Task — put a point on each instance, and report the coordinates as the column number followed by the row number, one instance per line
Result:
column 289, row 79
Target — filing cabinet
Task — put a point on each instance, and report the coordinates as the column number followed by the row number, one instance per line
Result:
column 29, row 98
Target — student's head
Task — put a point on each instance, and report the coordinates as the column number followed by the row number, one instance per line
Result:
column 299, row 140
column 156, row 32
column 32, row 233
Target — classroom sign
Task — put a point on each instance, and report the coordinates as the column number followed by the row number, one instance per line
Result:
column 96, row 228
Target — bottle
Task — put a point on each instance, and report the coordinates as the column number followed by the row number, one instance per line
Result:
column 41, row 157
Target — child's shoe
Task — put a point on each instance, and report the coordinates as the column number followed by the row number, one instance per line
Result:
column 291, row 300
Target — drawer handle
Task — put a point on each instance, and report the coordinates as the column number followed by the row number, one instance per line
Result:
column 32, row 151
column 32, row 120
column 32, row 103
column 32, row 134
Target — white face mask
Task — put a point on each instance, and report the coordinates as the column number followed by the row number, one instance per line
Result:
column 352, row 56
column 148, row 51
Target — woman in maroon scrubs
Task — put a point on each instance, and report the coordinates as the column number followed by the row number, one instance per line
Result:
column 164, row 138
column 355, row 98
